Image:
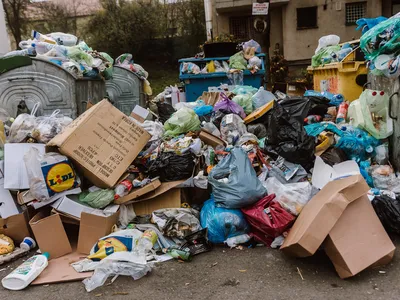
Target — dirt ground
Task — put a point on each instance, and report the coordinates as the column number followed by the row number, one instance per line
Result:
column 258, row 273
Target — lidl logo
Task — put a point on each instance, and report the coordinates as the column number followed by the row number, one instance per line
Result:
column 60, row 177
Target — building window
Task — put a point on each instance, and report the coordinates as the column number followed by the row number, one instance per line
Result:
column 307, row 17
column 242, row 28
column 355, row 11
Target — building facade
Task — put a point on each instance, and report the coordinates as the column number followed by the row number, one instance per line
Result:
column 296, row 25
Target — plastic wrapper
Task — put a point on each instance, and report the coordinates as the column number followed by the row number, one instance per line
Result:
column 155, row 128
column 325, row 56
column 268, row 217
column 170, row 166
column 382, row 154
column 165, row 111
column 177, row 222
column 384, row 178
column 229, row 106
column 244, row 100
column 222, row 223
column 258, row 130
column 234, row 181
column 292, row 196
column 232, row 128
column 49, row 126
column 49, row 174
column 182, row 121
column 97, row 199
column 235, row 78
column 261, row 98
column 388, row 211
column 22, row 127
column 288, row 138
column 237, row 61
column 190, row 68
column 126, row 215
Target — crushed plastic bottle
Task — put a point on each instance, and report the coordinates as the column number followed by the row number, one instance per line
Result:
column 124, row 187
column 147, row 241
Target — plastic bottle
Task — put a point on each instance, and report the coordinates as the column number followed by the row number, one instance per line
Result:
column 42, row 47
column 124, row 187
column 147, row 241
column 42, row 38
column 24, row 52
column 22, row 276
column 237, row 240
column 342, row 112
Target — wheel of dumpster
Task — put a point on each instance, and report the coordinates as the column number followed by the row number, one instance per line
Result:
column 125, row 90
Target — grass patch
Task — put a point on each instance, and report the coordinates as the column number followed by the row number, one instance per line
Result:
column 161, row 75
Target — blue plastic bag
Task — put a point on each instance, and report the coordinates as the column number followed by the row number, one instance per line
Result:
column 334, row 99
column 222, row 223
column 234, row 181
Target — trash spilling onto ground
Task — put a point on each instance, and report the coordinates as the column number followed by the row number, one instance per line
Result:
column 239, row 166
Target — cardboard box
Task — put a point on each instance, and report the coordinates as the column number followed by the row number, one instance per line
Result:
column 103, row 142
column 51, row 237
column 92, row 228
column 165, row 196
column 136, row 193
column 16, row 227
column 211, row 139
column 15, row 175
column 8, row 206
column 50, row 234
column 71, row 206
column 358, row 240
column 320, row 215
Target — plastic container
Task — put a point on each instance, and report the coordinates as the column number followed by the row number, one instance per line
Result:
column 22, row 276
column 196, row 84
column 346, row 77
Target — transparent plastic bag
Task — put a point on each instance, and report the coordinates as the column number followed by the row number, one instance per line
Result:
column 119, row 263
column 247, row 137
column 22, row 127
column 49, row 174
column 232, row 128
column 384, row 178
column 327, row 40
column 252, row 44
column 236, row 78
column 126, row 215
column 182, row 121
column 382, row 154
column 261, row 98
column 222, row 223
column 292, row 196
column 49, row 126
column 155, row 128
column 244, row 100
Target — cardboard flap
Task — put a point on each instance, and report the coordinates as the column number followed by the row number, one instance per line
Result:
column 16, row 227
column 321, row 213
column 136, row 193
column 164, row 187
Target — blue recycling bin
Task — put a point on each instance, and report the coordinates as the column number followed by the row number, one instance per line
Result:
column 196, row 84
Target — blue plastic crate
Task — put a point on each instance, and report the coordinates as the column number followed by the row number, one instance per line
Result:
column 196, row 84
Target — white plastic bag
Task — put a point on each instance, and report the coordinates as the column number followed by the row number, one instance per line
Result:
column 49, row 126
column 126, row 215
column 155, row 128
column 327, row 40
column 49, row 174
column 261, row 98
column 292, row 196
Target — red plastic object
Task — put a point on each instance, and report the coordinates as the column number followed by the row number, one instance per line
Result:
column 268, row 218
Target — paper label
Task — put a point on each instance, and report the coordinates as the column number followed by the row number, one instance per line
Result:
column 229, row 119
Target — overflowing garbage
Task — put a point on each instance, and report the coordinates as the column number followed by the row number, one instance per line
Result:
column 240, row 166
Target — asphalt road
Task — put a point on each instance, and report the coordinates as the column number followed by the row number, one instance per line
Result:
column 224, row 274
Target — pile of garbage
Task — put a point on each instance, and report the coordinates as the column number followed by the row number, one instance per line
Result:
column 64, row 50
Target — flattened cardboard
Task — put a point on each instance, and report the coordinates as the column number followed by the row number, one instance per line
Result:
column 169, row 199
column 16, row 227
column 358, row 240
column 92, row 228
column 103, row 142
column 136, row 193
column 320, row 215
column 164, row 187
column 50, row 234
column 60, row 270
column 211, row 139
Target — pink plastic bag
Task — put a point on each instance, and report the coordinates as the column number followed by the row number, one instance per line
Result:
column 226, row 104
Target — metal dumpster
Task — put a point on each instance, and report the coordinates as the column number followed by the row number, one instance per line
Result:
column 41, row 81
column 392, row 88
column 125, row 90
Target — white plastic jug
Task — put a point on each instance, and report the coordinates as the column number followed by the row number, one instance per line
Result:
column 22, row 276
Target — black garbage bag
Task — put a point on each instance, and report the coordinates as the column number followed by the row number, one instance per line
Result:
column 258, row 130
column 171, row 166
column 301, row 107
column 333, row 156
column 165, row 110
column 388, row 211
column 287, row 137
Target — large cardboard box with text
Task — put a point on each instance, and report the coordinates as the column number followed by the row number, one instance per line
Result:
column 102, row 142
